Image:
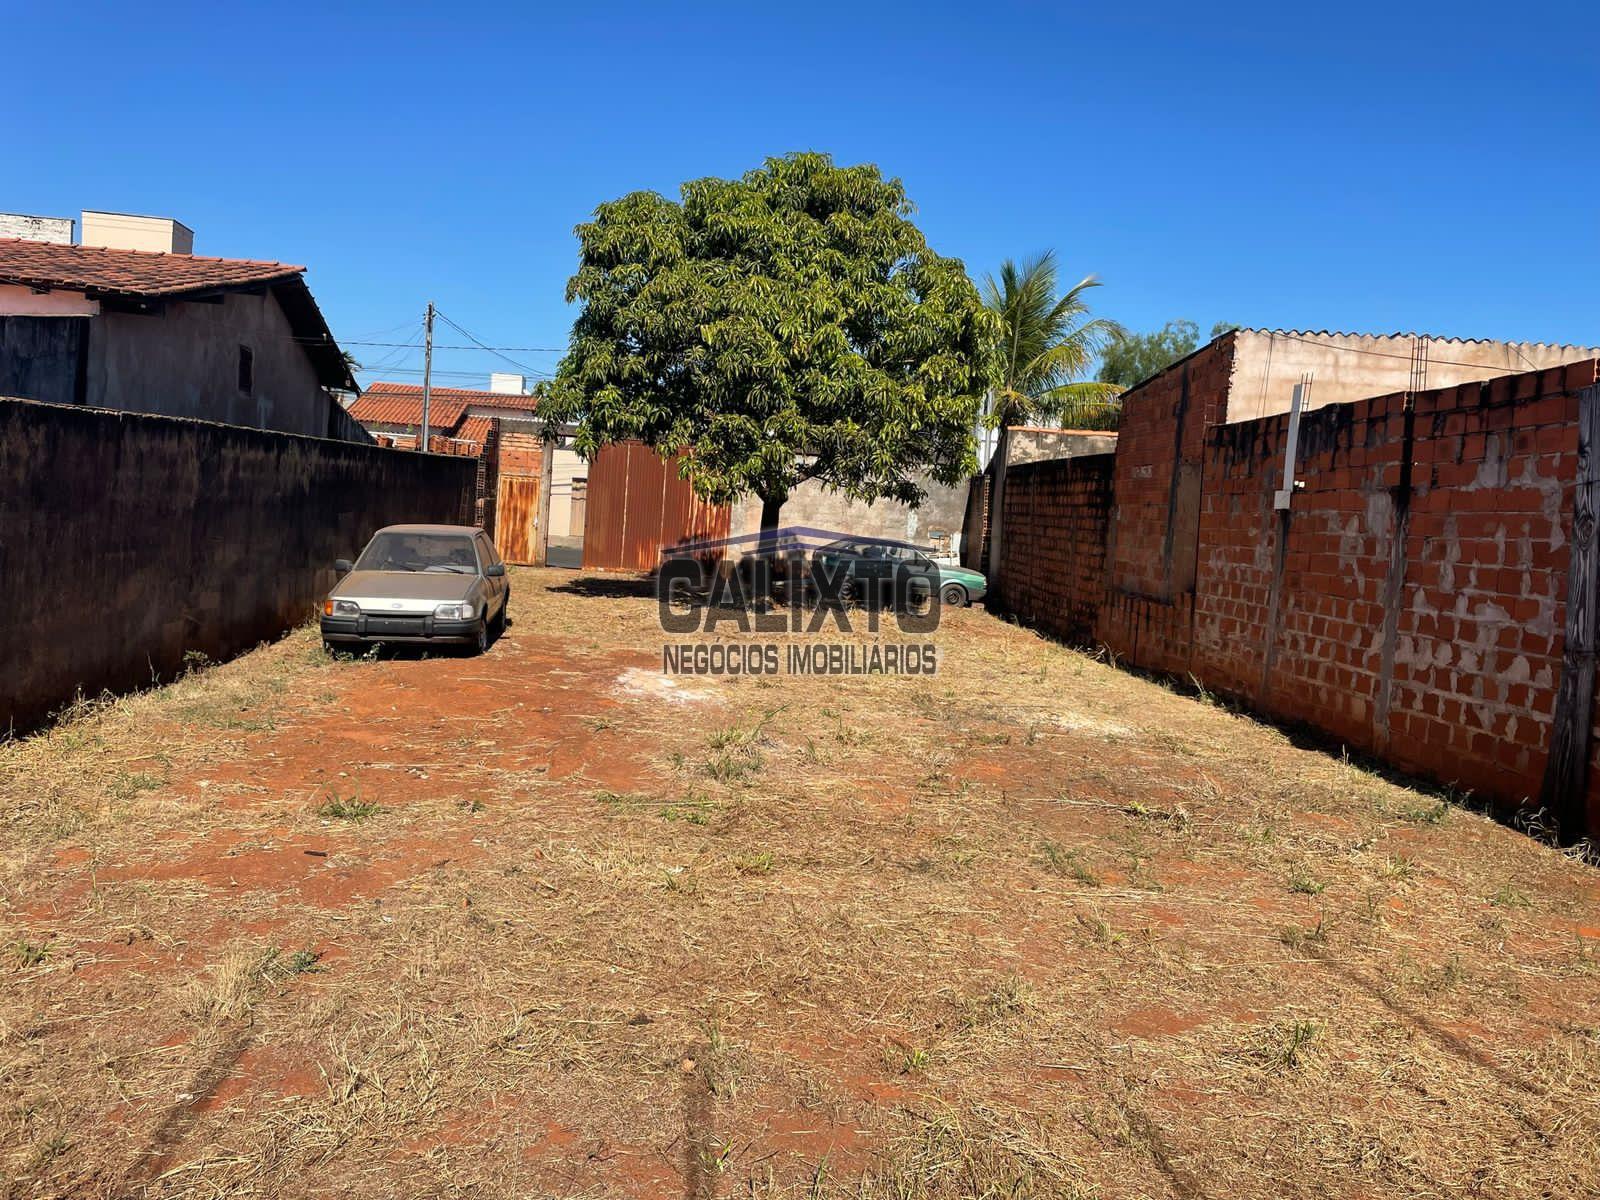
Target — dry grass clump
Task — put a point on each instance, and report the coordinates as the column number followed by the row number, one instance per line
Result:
column 520, row 925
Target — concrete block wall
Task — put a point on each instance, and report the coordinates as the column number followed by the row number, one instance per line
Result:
column 131, row 540
column 1411, row 602
column 1057, row 581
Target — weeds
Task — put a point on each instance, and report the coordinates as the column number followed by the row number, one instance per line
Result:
column 1300, row 881
column 1297, row 1039
column 695, row 809
column 1009, row 998
column 1297, row 937
column 1428, row 814
column 1399, row 867
column 903, row 1060
column 30, row 954
column 1510, row 897
column 755, row 864
column 348, row 808
column 1066, row 860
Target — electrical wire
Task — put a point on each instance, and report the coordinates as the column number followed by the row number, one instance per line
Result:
column 471, row 337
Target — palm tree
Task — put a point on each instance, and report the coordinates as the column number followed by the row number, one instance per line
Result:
column 1047, row 345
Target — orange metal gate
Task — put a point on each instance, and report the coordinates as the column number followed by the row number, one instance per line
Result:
column 636, row 504
column 516, row 517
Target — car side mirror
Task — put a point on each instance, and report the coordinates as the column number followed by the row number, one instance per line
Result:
column 342, row 566
column 494, row 570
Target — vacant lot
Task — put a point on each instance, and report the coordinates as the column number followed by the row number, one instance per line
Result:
column 541, row 924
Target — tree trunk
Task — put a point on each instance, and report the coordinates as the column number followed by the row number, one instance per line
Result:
column 769, row 519
column 997, row 504
column 767, row 552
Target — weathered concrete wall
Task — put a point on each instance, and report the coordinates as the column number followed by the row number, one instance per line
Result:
column 937, row 521
column 1026, row 444
column 41, row 358
column 128, row 540
column 1352, row 366
column 184, row 362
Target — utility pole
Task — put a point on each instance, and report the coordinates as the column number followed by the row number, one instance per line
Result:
column 427, row 375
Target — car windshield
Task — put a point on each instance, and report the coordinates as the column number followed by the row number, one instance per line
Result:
column 419, row 552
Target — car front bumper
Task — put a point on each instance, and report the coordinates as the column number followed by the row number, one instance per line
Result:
column 424, row 630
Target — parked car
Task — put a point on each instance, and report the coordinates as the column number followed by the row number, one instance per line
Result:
column 420, row 584
column 895, row 573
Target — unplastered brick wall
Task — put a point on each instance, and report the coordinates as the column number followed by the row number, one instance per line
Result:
column 1411, row 601
column 1056, row 580
column 521, row 452
column 1155, row 515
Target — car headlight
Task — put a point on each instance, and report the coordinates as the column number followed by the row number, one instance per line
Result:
column 453, row 612
column 340, row 608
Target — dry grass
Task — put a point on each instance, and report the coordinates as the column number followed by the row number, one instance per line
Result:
column 525, row 925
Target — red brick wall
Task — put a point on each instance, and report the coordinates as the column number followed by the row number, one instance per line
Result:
column 1411, row 602
column 1444, row 657
column 1057, row 581
column 1160, row 443
column 1154, row 534
column 520, row 453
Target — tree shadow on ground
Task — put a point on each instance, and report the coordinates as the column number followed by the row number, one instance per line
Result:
column 610, row 587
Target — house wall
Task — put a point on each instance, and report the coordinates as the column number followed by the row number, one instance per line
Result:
column 25, row 302
column 42, row 358
column 565, row 467
column 1026, row 444
column 151, row 537
column 1352, row 366
column 183, row 361
column 1153, row 537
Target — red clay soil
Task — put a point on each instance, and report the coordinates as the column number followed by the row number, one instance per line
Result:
column 541, row 923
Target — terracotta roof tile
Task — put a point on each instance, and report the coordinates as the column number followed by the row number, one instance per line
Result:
column 472, row 397
column 473, row 429
column 129, row 272
column 385, row 403
column 380, row 408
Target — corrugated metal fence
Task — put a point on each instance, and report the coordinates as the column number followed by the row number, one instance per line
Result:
column 637, row 504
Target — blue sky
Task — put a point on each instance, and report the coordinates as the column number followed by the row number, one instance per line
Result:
column 1358, row 167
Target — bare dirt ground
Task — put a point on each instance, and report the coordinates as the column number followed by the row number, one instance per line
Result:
column 539, row 924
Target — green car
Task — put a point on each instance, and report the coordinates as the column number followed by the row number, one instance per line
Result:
column 879, row 568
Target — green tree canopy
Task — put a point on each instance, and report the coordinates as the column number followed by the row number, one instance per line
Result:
column 788, row 325
column 1138, row 356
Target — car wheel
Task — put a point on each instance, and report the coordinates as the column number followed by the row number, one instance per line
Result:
column 849, row 594
column 919, row 600
column 481, row 636
column 954, row 595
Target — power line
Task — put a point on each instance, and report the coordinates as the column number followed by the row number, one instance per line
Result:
column 491, row 349
column 393, row 370
column 471, row 337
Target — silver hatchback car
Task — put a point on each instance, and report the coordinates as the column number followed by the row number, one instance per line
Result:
column 420, row 584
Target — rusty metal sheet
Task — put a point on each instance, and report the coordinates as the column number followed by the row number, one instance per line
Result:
column 516, row 515
column 637, row 504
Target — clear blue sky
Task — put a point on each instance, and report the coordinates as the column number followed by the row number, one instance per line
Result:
column 1351, row 166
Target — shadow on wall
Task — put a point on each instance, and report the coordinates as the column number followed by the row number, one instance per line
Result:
column 157, row 538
